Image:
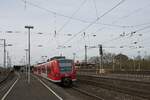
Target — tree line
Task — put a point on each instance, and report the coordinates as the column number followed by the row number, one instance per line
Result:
column 121, row 62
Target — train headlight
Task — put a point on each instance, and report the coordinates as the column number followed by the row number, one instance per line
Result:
column 57, row 75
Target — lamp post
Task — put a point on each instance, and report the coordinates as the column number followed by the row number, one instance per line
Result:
column 74, row 55
column 4, row 52
column 6, row 57
column 44, row 58
column 29, row 27
column 26, row 50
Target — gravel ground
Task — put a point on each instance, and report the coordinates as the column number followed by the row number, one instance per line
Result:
column 106, row 94
column 130, row 84
column 6, row 85
column 3, row 76
column 145, row 78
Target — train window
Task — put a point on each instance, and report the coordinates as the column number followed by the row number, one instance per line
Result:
column 65, row 66
column 43, row 70
column 39, row 70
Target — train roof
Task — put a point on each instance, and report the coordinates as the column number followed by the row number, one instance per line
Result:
column 58, row 58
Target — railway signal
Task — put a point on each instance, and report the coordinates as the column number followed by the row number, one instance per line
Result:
column 100, row 50
column 86, row 55
column 101, row 58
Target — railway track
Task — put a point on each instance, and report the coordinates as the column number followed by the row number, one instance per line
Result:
column 5, row 79
column 139, row 85
column 111, row 86
column 87, row 93
column 113, row 79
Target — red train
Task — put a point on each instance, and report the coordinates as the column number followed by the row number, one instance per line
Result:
column 58, row 70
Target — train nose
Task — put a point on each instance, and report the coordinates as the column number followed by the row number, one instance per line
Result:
column 66, row 82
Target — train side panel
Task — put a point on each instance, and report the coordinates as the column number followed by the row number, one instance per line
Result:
column 53, row 72
column 60, row 71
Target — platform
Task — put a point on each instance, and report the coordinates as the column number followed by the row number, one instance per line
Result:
column 33, row 91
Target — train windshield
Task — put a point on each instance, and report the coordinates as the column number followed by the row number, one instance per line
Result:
column 65, row 66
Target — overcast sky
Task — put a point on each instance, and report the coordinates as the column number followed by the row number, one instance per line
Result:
column 74, row 17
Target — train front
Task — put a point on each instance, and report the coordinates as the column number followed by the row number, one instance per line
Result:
column 67, row 72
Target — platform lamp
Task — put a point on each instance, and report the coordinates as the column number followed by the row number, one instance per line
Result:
column 29, row 28
column 5, row 50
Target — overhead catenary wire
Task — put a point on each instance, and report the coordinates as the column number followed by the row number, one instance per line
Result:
column 99, row 18
column 124, row 26
column 141, row 24
column 131, row 13
column 62, row 15
column 130, row 47
column 70, row 17
column 105, row 14
column 112, row 25
column 53, row 12
column 133, row 32
column 67, row 22
column 96, row 11
column 89, row 25
column 126, row 16
column 127, row 26
column 141, row 29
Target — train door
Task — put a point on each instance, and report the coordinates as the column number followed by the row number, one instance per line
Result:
column 49, row 69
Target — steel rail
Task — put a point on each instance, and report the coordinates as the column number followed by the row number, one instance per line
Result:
column 110, row 86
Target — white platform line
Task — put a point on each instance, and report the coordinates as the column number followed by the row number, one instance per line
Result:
column 3, row 98
column 60, row 98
